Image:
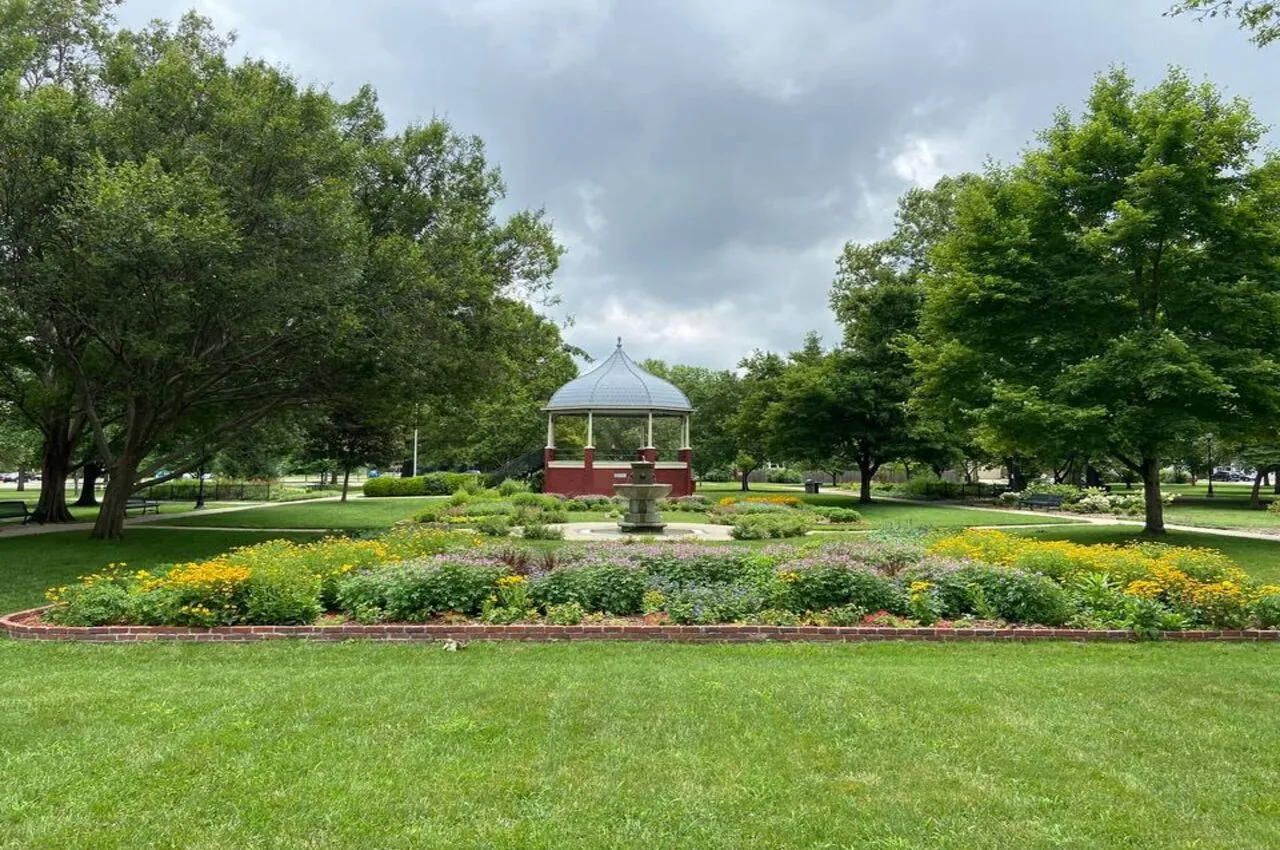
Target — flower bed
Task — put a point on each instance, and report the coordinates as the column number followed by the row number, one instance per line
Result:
column 982, row 580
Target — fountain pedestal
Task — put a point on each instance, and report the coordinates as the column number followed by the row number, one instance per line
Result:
column 642, row 496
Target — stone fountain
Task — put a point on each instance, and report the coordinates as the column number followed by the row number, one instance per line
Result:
column 642, row 496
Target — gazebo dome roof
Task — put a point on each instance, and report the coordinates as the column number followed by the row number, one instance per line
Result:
column 619, row 384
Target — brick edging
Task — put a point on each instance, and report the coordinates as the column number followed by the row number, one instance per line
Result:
column 20, row 626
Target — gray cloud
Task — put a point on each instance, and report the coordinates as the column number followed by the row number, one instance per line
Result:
column 704, row 160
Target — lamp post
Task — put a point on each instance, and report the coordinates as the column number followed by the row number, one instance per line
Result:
column 415, row 441
column 1210, row 439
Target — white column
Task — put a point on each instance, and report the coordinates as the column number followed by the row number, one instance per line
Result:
column 649, row 444
column 591, row 439
column 685, row 435
column 551, row 430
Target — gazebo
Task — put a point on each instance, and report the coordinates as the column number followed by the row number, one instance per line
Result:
column 617, row 388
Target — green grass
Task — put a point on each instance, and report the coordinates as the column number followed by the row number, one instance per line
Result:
column 90, row 514
column 573, row 746
column 357, row 514
column 380, row 513
column 1260, row 558
column 1232, row 514
column 30, row 565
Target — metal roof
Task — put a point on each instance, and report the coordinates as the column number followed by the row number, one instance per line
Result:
column 619, row 384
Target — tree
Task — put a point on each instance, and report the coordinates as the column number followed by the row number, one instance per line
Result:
column 877, row 296
column 222, row 244
column 713, row 394
column 50, row 117
column 499, row 417
column 750, row 424
column 1119, row 285
column 349, row 436
column 1260, row 17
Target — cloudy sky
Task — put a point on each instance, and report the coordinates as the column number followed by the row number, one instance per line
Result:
column 704, row 160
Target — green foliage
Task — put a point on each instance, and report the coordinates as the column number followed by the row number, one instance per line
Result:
column 769, row 526
column 568, row 614
column 1261, row 18
column 431, row 484
column 537, row 531
column 1142, row 220
column 833, row 585
column 494, row 526
column 614, row 589
column 840, row 516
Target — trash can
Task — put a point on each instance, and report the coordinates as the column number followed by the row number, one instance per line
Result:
column 811, row 486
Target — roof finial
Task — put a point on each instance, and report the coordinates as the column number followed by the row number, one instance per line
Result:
column 619, row 342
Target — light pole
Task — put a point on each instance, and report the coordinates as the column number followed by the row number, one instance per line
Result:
column 1210, row 494
column 415, row 441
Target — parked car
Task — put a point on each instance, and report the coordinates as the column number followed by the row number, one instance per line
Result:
column 9, row 478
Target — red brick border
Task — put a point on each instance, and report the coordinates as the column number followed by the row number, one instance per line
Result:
column 24, row 625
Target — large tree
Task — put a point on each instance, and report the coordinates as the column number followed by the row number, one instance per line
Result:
column 222, row 244
column 1120, row 284
column 714, row 395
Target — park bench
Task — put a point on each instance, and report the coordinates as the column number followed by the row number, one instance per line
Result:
column 1043, row 500
column 142, row 506
column 9, row 510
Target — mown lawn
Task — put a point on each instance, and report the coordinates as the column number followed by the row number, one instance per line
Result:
column 621, row 746
column 357, row 514
column 90, row 514
column 360, row 514
column 30, row 565
column 1260, row 558
column 1233, row 513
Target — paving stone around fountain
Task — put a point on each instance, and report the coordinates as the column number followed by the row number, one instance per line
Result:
column 688, row 532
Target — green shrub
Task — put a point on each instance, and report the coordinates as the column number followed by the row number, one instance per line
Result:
column 837, row 515
column 510, row 486
column 1274, row 507
column 615, row 589
column 783, row 476
column 537, row 531
column 535, row 500
column 1020, row 597
column 103, row 603
column 712, row 603
column 493, row 526
column 431, row 484
column 428, row 515
column 1266, row 610
column 568, row 614
column 716, row 476
column 833, row 585
column 767, row 527
column 281, row 596
column 416, row 592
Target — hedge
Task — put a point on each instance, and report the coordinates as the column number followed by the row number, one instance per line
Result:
column 431, row 484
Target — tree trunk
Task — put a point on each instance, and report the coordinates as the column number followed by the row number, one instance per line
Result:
column 1017, row 482
column 346, row 481
column 110, row 522
column 1277, row 484
column 1091, row 476
column 88, row 493
column 22, row 480
column 55, row 463
column 1151, row 494
column 746, row 473
column 835, row 479
column 866, row 471
column 1255, row 495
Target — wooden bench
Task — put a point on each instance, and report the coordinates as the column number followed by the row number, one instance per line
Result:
column 14, row 509
column 1043, row 500
column 142, row 506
